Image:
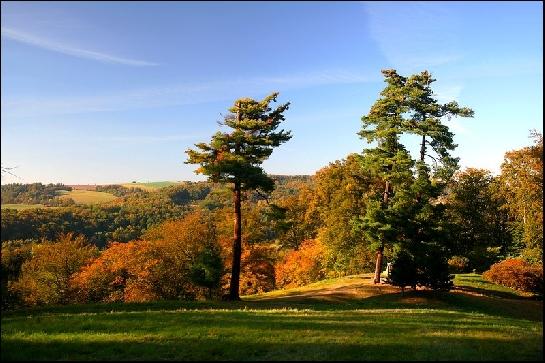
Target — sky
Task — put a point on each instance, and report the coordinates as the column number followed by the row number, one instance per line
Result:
column 113, row 92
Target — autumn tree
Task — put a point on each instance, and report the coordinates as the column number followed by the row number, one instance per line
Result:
column 522, row 186
column 301, row 266
column 14, row 254
column 177, row 260
column 236, row 158
column 342, row 191
column 478, row 222
column 45, row 277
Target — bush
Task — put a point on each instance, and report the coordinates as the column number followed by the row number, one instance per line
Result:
column 433, row 269
column 302, row 266
column 458, row 264
column 426, row 265
column 403, row 272
column 517, row 274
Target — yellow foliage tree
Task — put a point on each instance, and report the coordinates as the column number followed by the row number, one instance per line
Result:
column 45, row 278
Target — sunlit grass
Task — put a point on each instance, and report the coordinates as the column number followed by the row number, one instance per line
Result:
column 151, row 186
column 332, row 323
column 23, row 206
column 476, row 281
column 88, row 196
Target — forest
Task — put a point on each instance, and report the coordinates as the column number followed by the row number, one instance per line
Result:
column 244, row 231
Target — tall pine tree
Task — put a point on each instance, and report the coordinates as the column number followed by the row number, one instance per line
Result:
column 426, row 227
column 389, row 160
column 408, row 213
column 236, row 158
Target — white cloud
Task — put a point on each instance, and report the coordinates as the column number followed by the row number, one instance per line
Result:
column 33, row 40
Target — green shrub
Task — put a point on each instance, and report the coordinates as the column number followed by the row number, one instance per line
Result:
column 432, row 268
column 403, row 272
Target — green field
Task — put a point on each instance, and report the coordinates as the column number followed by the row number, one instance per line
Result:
column 150, row 187
column 88, row 196
column 24, row 206
column 340, row 319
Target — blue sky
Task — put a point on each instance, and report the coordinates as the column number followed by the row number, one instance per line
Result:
column 110, row 92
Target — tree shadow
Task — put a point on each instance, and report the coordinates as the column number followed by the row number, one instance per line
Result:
column 459, row 300
column 426, row 347
column 499, row 294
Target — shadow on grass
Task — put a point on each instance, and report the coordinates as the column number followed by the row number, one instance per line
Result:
column 463, row 300
column 499, row 294
column 214, row 348
column 521, row 308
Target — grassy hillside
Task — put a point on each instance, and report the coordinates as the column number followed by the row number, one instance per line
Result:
column 24, row 206
column 150, row 187
column 88, row 196
column 338, row 319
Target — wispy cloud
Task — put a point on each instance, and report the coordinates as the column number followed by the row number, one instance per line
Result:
column 413, row 35
column 36, row 41
column 174, row 95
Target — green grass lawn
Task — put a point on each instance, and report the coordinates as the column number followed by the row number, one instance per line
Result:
column 88, row 196
column 338, row 319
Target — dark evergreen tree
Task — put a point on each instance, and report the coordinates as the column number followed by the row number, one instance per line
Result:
column 403, row 271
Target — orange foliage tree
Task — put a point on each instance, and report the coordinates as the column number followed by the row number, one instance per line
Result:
column 257, row 269
column 191, row 260
column 172, row 263
column 122, row 273
column 301, row 266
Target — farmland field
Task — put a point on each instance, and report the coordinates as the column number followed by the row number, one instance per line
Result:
column 88, row 196
column 338, row 319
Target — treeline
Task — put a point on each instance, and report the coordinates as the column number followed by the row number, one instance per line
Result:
column 424, row 216
column 122, row 220
column 35, row 193
column 302, row 234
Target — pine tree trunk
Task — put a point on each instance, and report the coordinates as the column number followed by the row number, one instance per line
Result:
column 378, row 266
column 237, row 247
column 380, row 251
column 423, row 148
